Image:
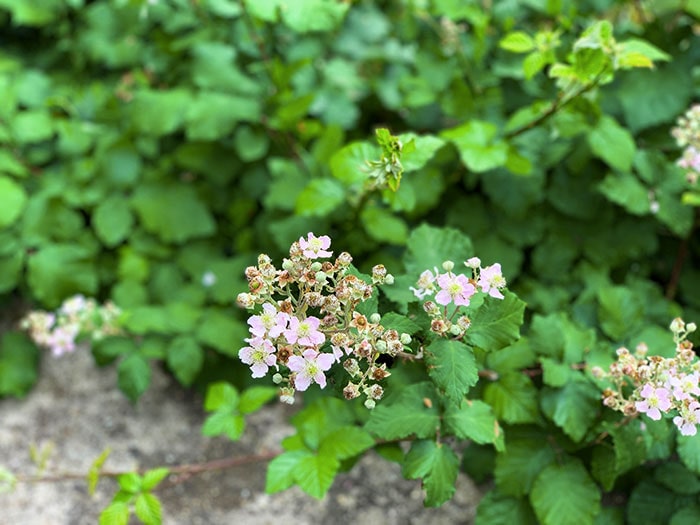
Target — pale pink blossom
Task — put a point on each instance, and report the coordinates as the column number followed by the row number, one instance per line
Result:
column 315, row 247
column 425, row 285
column 260, row 355
column 270, row 322
column 491, row 281
column 688, row 419
column 655, row 400
column 454, row 288
column 310, row 368
column 685, row 386
column 62, row 339
column 304, row 332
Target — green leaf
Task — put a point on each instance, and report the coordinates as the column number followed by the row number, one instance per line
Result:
column 213, row 116
column 221, row 331
column 350, row 164
column 513, row 398
column 452, row 367
column 130, row 482
column 185, row 358
column 321, row 418
column 58, row 271
column 93, row 476
column 19, row 364
column 153, row 477
column 556, row 374
column 477, row 145
column 517, row 42
column 437, row 465
column 159, row 112
column 320, row 198
column 620, row 311
column 612, row 143
column 304, row 16
column 689, row 451
column 345, row 443
column 414, row 412
column 134, row 376
column 221, row 395
column 429, row 247
column 523, row 460
column 147, row 508
column 496, row 323
column 32, row 126
column 173, row 212
column 12, row 201
column 281, row 470
column 383, row 226
column 117, row 513
column 474, row 420
column 315, row 474
column 423, row 151
column 573, row 408
column 499, row 509
column 400, row 323
column 678, row 478
column 223, row 422
column 686, row 516
column 651, row 504
column 627, row 191
column 628, row 450
column 255, row 397
column 113, row 220
column 578, row 507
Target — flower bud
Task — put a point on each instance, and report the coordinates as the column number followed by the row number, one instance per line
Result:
column 389, row 279
column 277, row 378
column 370, row 404
column 448, row 266
column 375, row 318
column 473, row 262
column 381, row 346
column 245, row 300
column 351, row 391
column 677, row 325
column 691, row 327
column 405, row 339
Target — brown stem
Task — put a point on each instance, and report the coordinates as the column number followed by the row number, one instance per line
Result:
column 681, row 255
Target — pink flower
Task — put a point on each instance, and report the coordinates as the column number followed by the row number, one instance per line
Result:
column 315, row 247
column 688, row 419
column 62, row 339
column 269, row 323
column 304, row 332
column 654, row 401
column 260, row 355
column 425, row 285
column 685, row 386
column 491, row 281
column 310, row 368
column 454, row 288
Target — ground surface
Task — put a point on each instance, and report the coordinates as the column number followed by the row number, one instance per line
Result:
column 77, row 408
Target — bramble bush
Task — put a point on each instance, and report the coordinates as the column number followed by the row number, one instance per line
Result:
column 468, row 213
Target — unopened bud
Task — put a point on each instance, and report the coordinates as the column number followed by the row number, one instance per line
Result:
column 473, row 262
column 389, row 279
column 370, row 404
column 448, row 266
column 677, row 325
column 405, row 339
column 316, row 266
column 375, row 318
column 691, row 327
column 277, row 378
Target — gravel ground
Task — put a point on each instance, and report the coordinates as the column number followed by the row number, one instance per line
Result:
column 77, row 410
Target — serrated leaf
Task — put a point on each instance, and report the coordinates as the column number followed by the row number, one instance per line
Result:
column 429, row 246
column 221, row 395
column 280, row 471
column 612, row 143
column 522, row 461
column 500, row 509
column 134, row 376
column 582, row 501
column 414, row 412
column 130, row 482
column 651, row 503
column 620, row 311
column 554, row 373
column 148, row 509
column 117, row 513
column 221, row 331
column 474, row 420
column 496, row 323
column 689, row 451
column 573, row 407
column 224, row 423
column 13, row 199
column 185, row 358
column 626, row 190
column 153, row 477
column 517, row 42
column 437, row 465
column 513, row 398
column 686, row 516
column 452, row 367
column 346, row 442
column 321, row 418
column 315, row 474
column 382, row 225
column 400, row 323
column 678, row 478
column 255, row 397
column 113, row 220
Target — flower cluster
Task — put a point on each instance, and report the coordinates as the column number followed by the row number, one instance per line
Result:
column 77, row 316
column 308, row 322
column 687, row 135
column 458, row 289
column 659, row 386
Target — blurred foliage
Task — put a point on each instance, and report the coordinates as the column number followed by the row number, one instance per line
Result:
column 146, row 144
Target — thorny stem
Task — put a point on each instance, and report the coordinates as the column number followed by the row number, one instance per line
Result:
column 681, row 255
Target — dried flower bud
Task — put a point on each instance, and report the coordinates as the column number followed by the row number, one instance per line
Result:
column 245, row 300
column 351, row 391
column 344, row 259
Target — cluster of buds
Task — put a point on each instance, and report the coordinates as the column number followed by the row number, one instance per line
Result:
column 687, row 135
column 77, row 317
column 308, row 322
column 458, row 289
column 655, row 385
